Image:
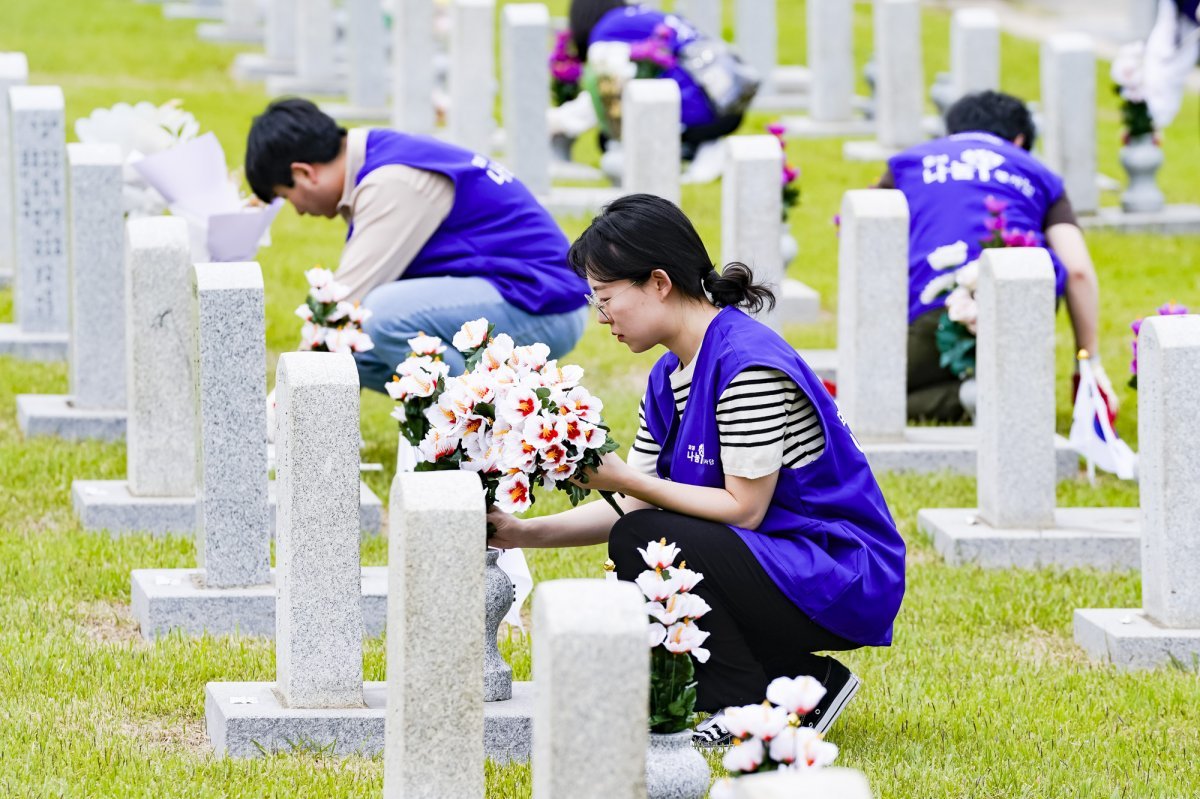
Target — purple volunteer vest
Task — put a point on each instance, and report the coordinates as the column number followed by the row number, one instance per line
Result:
column 828, row 540
column 633, row 24
column 946, row 181
column 496, row 230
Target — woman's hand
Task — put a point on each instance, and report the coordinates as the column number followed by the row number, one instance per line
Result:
column 509, row 531
column 613, row 475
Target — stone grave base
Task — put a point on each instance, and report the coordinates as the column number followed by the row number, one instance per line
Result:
column 779, row 101
column 570, row 170
column 1098, row 538
column 55, row 415
column 192, row 11
column 799, row 302
column 257, row 66
column 1128, row 639
column 1171, row 220
column 809, row 128
column 219, row 33
column 934, row 449
column 869, row 150
column 169, row 600
column 346, row 112
column 44, row 347
column 578, row 200
column 107, row 505
column 295, row 84
column 823, row 362
column 246, row 719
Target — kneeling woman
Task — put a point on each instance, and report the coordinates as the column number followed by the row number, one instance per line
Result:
column 743, row 460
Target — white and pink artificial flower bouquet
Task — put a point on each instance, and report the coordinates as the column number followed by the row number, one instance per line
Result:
column 331, row 322
column 515, row 416
column 768, row 737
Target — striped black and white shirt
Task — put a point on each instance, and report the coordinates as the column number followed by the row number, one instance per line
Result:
column 764, row 421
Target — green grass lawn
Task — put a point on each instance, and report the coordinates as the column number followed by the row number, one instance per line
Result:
column 983, row 694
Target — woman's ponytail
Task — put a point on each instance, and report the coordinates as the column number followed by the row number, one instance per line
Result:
column 734, row 285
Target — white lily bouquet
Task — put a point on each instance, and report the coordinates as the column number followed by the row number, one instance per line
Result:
column 514, row 416
column 140, row 130
column 331, row 324
column 674, row 637
column 768, row 737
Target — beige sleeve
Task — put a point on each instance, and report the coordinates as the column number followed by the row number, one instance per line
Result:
column 395, row 210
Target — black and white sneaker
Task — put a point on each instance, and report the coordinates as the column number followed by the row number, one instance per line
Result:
column 840, row 687
column 712, row 732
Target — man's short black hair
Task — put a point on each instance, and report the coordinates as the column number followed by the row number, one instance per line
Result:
column 993, row 112
column 290, row 130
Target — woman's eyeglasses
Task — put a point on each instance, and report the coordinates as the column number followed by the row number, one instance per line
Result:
column 599, row 305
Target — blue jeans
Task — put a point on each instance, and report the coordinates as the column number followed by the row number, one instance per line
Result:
column 438, row 306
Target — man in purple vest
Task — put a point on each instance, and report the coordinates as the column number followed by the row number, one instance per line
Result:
column 950, row 184
column 438, row 235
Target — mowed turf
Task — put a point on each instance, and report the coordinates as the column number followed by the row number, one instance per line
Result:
column 983, row 693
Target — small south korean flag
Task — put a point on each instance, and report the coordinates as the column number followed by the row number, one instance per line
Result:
column 1091, row 434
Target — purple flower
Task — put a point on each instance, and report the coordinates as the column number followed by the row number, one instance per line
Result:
column 790, row 173
column 651, row 51
column 995, row 223
column 994, row 206
column 837, row 220
column 1172, row 308
column 566, row 71
column 662, row 31
column 776, row 129
column 1136, row 327
column 1017, row 238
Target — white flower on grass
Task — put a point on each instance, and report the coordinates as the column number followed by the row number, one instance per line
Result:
column 517, row 405
column 797, row 695
column 398, row 413
column 961, row 307
column 760, row 721
column 659, row 554
column 654, row 587
column 802, row 748
column 562, row 377
column 968, row 275
column 512, row 494
column 422, row 344
column 948, row 255
column 304, row 312
column 941, row 283
column 721, row 789
column 479, row 386
column 446, row 416
column 1127, row 68
column 679, row 606
column 358, row 314
column 470, row 335
column 318, row 278
column 361, row 341
column 686, row 579
column 744, row 757
column 340, row 312
column 331, row 292
column 437, row 445
column 686, row 637
column 657, row 633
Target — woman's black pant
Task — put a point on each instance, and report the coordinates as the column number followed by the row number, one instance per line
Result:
column 756, row 632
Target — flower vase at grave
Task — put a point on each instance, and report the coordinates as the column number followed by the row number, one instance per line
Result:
column 499, row 597
column 1141, row 158
column 674, row 768
column 788, row 246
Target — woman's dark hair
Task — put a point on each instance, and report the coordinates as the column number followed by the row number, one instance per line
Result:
column 583, row 16
column 993, row 112
column 289, row 131
column 639, row 233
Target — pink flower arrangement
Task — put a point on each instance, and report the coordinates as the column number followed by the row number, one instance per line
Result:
column 1001, row 234
column 791, row 192
column 515, row 416
column 1170, row 309
column 566, row 69
column 654, row 56
column 331, row 324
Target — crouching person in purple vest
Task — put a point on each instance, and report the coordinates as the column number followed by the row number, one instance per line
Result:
column 959, row 188
column 741, row 459
column 438, row 235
